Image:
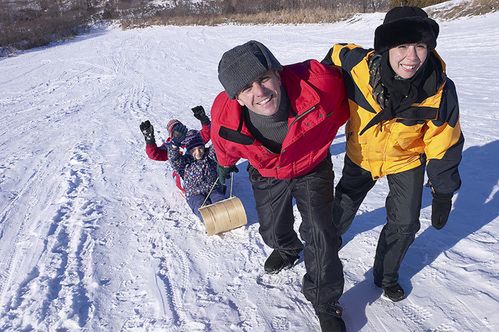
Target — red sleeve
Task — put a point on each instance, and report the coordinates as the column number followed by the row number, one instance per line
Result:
column 205, row 132
column 333, row 86
column 224, row 157
column 156, row 153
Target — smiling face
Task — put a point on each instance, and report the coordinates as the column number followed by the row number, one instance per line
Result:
column 197, row 152
column 406, row 59
column 263, row 95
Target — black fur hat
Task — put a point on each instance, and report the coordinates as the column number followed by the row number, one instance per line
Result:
column 405, row 25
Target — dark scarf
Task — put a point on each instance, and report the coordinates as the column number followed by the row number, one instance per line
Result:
column 270, row 130
column 395, row 94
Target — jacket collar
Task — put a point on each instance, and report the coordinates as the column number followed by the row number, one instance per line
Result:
column 302, row 96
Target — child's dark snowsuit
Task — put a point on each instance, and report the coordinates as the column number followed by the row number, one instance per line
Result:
column 199, row 176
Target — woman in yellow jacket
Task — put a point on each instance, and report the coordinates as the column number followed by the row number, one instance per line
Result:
column 404, row 117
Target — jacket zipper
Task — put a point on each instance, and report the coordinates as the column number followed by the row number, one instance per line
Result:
column 302, row 115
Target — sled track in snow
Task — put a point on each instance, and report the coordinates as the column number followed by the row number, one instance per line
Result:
column 55, row 293
column 169, row 265
column 166, row 273
column 174, row 275
column 10, row 254
column 136, row 102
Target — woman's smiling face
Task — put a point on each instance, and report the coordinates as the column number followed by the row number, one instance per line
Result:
column 406, row 59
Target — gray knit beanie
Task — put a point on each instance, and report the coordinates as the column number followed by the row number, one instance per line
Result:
column 243, row 64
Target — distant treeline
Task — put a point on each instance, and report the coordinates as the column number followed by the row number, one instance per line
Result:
column 29, row 23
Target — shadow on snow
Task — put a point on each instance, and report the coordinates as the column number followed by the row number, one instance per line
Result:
column 476, row 206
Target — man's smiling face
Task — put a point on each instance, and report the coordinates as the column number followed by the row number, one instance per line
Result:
column 263, row 95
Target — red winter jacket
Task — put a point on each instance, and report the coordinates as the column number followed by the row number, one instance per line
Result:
column 160, row 153
column 319, row 106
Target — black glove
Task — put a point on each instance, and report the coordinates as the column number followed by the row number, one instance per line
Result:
column 440, row 209
column 148, row 131
column 178, row 134
column 224, row 172
column 200, row 114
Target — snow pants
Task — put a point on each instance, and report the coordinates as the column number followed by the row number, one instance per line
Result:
column 403, row 205
column 195, row 201
column 323, row 281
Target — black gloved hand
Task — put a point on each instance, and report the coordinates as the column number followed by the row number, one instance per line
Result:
column 148, row 131
column 440, row 209
column 200, row 114
column 224, row 172
column 178, row 134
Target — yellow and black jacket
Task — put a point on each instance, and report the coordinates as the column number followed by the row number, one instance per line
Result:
column 428, row 131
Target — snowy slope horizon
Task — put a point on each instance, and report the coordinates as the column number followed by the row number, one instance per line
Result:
column 94, row 236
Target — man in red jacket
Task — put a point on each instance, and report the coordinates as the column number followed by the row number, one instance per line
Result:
column 282, row 119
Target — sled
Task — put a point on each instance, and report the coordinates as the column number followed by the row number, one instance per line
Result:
column 178, row 183
column 225, row 215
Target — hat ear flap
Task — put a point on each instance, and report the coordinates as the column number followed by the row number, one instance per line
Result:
column 435, row 27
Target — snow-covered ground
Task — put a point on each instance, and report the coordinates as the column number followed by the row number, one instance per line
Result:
column 94, row 236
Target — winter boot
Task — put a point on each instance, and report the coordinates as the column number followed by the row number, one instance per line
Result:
column 278, row 261
column 332, row 324
column 394, row 292
column 330, row 319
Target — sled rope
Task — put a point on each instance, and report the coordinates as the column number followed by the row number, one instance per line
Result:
column 213, row 187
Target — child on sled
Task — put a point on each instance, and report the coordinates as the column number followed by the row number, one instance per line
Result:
column 198, row 169
column 174, row 128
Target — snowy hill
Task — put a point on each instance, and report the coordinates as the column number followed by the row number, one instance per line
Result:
column 94, row 236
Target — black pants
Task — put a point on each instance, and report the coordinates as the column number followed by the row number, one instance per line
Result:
column 323, row 281
column 403, row 205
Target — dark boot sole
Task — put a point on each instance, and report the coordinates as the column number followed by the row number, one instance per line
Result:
column 286, row 267
column 391, row 298
column 394, row 299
